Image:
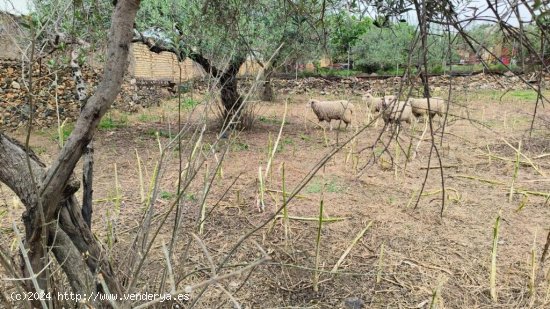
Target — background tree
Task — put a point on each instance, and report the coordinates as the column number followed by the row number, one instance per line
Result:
column 215, row 34
column 384, row 48
column 232, row 32
column 345, row 31
column 290, row 32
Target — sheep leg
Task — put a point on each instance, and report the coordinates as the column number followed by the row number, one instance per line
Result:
column 330, row 124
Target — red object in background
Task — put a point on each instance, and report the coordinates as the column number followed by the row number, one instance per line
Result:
column 505, row 56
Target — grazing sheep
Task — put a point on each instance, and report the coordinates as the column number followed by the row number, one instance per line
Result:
column 420, row 106
column 390, row 99
column 375, row 103
column 332, row 110
column 396, row 111
column 370, row 100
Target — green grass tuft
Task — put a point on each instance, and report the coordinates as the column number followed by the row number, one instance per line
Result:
column 304, row 137
column 161, row 133
column 333, row 185
column 240, row 146
column 527, row 95
column 110, row 123
column 189, row 103
column 166, row 195
column 271, row 120
column 67, row 130
column 148, row 118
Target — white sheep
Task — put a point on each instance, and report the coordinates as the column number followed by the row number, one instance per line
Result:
column 370, row 100
column 375, row 103
column 389, row 99
column 332, row 110
column 420, row 106
column 396, row 111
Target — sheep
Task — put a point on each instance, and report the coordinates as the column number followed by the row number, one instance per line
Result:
column 396, row 111
column 328, row 110
column 390, row 99
column 370, row 100
column 420, row 106
column 375, row 103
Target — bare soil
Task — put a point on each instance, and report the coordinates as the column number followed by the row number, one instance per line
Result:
column 412, row 256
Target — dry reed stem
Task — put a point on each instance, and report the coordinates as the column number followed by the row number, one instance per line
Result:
column 352, row 244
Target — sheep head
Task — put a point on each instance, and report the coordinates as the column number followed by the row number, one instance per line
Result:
column 367, row 96
column 388, row 100
column 311, row 102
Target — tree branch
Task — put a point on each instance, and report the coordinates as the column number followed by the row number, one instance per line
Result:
column 115, row 68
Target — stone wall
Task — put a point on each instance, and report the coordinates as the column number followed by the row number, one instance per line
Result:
column 15, row 108
column 345, row 86
column 10, row 33
column 147, row 65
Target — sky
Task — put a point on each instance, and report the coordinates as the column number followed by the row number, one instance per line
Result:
column 17, row 7
column 465, row 11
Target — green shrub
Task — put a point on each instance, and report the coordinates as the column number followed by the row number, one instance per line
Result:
column 438, row 69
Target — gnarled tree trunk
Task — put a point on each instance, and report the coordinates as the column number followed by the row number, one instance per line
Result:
column 230, row 96
column 48, row 193
column 267, row 93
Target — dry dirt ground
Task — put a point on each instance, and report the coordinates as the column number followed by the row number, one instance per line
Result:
column 409, row 257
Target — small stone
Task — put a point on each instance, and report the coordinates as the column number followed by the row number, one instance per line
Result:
column 15, row 85
column 49, row 113
column 233, row 285
column 354, row 303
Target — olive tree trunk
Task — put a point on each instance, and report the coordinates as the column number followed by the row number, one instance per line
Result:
column 52, row 210
column 230, row 97
column 267, row 93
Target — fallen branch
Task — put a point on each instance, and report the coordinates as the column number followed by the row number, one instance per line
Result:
column 311, row 219
column 526, row 158
column 494, row 182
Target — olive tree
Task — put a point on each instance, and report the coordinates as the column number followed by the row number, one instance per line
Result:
column 221, row 35
column 384, row 48
column 290, row 31
column 52, row 219
column 345, row 30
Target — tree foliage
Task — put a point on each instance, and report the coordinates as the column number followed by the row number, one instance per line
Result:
column 384, row 47
column 345, row 31
column 221, row 35
column 221, row 29
column 61, row 23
